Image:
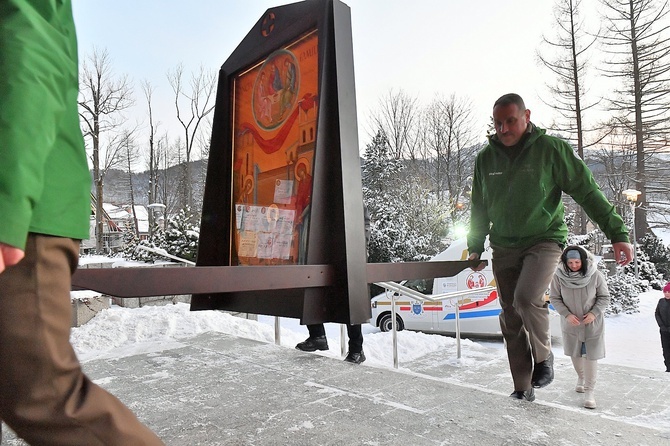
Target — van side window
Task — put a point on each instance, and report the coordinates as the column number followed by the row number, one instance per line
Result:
column 423, row 286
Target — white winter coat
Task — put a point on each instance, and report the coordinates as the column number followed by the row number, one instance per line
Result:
column 573, row 293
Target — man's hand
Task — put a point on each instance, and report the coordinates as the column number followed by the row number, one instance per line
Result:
column 623, row 253
column 9, row 256
column 481, row 266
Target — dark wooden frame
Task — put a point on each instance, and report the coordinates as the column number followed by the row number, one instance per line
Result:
column 336, row 234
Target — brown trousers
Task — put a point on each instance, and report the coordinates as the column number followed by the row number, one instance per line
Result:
column 522, row 277
column 44, row 395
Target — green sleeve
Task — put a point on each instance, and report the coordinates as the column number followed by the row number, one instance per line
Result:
column 479, row 218
column 34, row 86
column 577, row 181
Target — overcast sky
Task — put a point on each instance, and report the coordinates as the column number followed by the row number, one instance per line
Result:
column 477, row 49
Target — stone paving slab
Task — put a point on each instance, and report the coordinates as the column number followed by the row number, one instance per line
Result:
column 216, row 389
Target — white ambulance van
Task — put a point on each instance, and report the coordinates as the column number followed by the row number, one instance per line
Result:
column 478, row 312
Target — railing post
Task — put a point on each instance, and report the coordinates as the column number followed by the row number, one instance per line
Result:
column 395, row 331
column 343, row 340
column 397, row 289
column 458, row 329
column 277, row 331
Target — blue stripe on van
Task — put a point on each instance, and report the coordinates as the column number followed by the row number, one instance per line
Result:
column 472, row 314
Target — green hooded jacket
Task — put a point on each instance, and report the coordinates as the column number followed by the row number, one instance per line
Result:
column 517, row 202
column 44, row 177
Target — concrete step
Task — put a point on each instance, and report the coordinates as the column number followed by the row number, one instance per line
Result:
column 216, row 389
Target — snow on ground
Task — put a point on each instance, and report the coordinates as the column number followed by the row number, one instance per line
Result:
column 632, row 340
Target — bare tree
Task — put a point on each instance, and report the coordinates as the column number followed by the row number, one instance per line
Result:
column 167, row 161
column 569, row 49
column 131, row 156
column 398, row 118
column 615, row 159
column 449, row 138
column 102, row 99
column 191, row 108
column 569, row 66
column 154, row 156
column 639, row 53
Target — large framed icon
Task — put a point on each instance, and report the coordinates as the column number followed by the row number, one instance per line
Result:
column 283, row 179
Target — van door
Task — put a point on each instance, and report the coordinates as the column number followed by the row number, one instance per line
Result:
column 418, row 315
column 479, row 311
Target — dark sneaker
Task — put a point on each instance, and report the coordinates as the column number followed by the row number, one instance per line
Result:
column 313, row 344
column 355, row 358
column 528, row 395
column 543, row 373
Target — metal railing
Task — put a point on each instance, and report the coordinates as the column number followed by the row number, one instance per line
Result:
column 393, row 287
column 398, row 289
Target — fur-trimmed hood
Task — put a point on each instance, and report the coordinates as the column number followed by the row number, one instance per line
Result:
column 576, row 279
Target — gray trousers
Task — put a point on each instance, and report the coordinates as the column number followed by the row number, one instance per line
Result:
column 522, row 277
column 44, row 395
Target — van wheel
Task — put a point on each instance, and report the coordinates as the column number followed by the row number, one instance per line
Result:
column 386, row 323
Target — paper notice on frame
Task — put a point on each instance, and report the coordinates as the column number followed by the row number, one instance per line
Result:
column 285, row 221
column 281, row 248
column 265, row 244
column 239, row 215
column 248, row 244
column 283, row 190
column 251, row 220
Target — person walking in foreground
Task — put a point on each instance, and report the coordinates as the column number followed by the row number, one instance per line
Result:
column 517, row 188
column 663, row 321
column 44, row 206
column 579, row 293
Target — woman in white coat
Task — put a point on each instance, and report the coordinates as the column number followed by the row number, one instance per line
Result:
column 579, row 293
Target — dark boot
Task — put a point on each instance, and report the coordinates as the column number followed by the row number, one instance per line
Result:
column 543, row 373
column 355, row 358
column 528, row 395
column 312, row 344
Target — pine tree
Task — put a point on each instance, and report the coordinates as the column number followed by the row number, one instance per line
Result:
column 623, row 296
column 407, row 222
column 649, row 278
column 658, row 254
column 181, row 236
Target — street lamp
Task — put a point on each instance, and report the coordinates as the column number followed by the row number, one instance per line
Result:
column 631, row 196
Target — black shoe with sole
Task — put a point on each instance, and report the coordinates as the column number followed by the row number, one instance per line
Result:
column 528, row 395
column 543, row 373
column 313, row 344
column 355, row 358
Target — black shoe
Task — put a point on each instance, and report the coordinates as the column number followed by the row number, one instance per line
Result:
column 543, row 374
column 528, row 395
column 355, row 358
column 312, row 344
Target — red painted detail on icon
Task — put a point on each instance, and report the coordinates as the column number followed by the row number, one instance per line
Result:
column 273, row 144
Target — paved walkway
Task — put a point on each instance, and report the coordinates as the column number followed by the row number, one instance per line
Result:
column 216, row 389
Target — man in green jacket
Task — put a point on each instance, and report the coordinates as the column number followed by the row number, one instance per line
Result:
column 44, row 210
column 517, row 186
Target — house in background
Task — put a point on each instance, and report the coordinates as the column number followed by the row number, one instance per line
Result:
column 142, row 215
column 116, row 220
